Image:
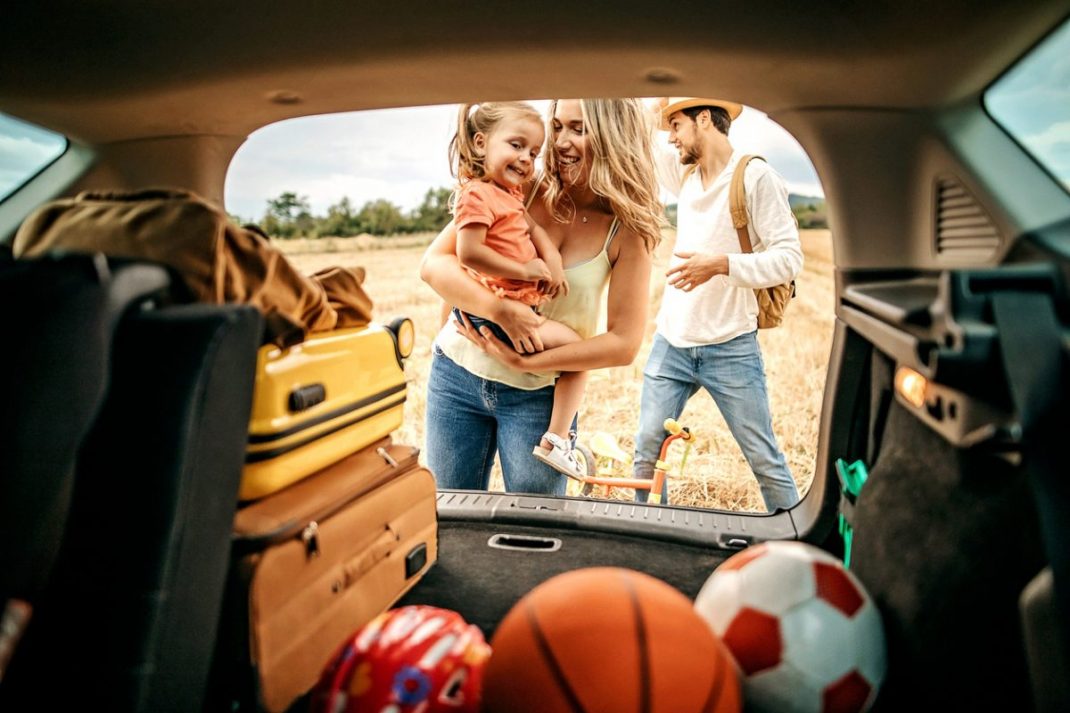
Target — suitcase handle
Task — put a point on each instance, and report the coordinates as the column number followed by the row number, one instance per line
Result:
column 380, row 548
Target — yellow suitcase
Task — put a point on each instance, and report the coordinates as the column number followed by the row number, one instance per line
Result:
column 321, row 400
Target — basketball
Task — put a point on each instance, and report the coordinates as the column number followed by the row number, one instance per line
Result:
column 612, row 640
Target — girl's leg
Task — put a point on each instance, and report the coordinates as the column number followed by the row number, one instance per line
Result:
column 568, row 395
column 556, row 334
column 461, row 433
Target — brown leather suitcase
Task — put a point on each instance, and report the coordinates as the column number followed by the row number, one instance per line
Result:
column 319, row 559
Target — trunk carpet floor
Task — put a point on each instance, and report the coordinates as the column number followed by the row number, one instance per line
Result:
column 482, row 583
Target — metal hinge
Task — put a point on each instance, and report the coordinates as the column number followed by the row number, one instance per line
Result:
column 311, row 537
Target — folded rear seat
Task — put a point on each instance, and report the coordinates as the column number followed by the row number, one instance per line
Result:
column 141, row 570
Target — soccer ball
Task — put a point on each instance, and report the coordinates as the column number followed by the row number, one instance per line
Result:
column 806, row 636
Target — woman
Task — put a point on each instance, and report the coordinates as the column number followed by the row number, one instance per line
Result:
column 598, row 201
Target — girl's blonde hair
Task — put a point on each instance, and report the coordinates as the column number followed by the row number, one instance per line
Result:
column 621, row 160
column 466, row 160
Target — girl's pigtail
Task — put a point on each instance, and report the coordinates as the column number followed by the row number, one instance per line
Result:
column 465, row 164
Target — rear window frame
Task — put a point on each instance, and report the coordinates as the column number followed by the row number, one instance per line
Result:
column 29, row 178
column 1001, row 122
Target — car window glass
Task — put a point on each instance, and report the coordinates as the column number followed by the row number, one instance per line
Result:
column 25, row 149
column 1032, row 102
column 372, row 189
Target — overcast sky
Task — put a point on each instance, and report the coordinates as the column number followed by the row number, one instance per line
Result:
column 24, row 150
column 399, row 154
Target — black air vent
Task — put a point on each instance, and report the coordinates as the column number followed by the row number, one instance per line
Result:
column 964, row 232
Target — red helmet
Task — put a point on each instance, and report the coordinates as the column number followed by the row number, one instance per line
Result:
column 412, row 658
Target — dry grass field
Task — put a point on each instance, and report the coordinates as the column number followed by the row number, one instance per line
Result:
column 715, row 476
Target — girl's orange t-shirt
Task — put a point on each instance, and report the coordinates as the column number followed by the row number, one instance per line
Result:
column 502, row 212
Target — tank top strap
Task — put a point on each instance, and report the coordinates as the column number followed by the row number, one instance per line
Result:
column 614, row 227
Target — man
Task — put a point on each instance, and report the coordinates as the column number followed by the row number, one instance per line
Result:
column 707, row 325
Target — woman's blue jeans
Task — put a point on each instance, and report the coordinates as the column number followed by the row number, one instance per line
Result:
column 734, row 375
column 470, row 418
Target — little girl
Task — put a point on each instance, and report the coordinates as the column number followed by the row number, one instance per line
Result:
column 493, row 157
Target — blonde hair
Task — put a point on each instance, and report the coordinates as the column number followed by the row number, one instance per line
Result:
column 621, row 161
column 466, row 160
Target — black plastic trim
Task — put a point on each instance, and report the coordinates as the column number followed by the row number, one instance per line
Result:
column 688, row 526
column 393, row 329
column 897, row 302
column 523, row 543
column 894, row 342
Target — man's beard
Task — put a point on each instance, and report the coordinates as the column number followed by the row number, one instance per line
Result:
column 689, row 157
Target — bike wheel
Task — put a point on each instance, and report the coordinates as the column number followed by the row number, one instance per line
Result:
column 586, row 458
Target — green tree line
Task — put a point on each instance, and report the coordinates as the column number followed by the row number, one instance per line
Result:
column 811, row 215
column 290, row 216
column 810, row 212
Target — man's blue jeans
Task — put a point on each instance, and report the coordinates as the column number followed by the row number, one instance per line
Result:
column 469, row 418
column 734, row 375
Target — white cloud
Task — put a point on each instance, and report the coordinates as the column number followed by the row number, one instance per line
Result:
column 392, row 154
column 1052, row 138
column 22, row 156
column 20, row 152
column 754, row 132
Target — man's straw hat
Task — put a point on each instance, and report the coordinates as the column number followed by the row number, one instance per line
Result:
column 680, row 103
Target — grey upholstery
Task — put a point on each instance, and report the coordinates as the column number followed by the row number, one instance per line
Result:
column 58, row 319
column 139, row 580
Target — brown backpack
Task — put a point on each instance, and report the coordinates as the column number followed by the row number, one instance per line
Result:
column 772, row 301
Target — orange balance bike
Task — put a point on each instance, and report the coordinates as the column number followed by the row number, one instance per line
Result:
column 605, row 462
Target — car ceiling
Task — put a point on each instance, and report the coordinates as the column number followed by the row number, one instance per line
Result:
column 105, row 72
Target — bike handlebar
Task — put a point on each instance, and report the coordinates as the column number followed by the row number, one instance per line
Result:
column 675, row 429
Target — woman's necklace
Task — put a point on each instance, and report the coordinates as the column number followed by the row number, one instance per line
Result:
column 582, row 212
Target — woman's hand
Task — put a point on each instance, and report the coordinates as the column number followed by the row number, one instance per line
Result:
column 521, row 323
column 441, row 269
column 484, row 339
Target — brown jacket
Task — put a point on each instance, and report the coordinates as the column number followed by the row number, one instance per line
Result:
column 217, row 261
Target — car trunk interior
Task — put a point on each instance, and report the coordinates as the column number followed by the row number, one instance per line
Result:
column 484, row 568
column 946, row 529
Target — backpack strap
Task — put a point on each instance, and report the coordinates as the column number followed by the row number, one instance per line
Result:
column 737, row 202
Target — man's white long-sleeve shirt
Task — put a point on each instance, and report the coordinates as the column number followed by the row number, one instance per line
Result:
column 724, row 307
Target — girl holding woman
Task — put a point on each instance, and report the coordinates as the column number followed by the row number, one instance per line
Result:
column 597, row 200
